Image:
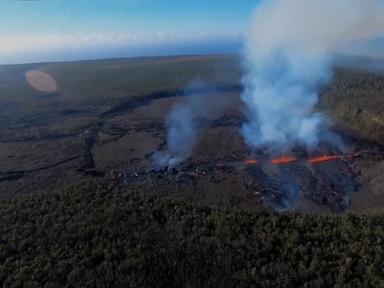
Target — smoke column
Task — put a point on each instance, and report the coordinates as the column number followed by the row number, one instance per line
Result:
column 180, row 139
column 290, row 51
column 183, row 120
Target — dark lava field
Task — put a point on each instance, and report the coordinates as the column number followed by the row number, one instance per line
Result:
column 106, row 118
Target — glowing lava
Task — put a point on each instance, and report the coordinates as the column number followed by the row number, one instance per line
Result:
column 278, row 161
column 284, row 160
column 323, row 158
column 291, row 159
column 251, row 162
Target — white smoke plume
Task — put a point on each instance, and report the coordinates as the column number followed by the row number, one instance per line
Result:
column 180, row 139
column 290, row 51
column 182, row 123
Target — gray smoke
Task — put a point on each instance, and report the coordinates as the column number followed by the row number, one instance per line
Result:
column 182, row 122
column 290, row 52
column 180, row 139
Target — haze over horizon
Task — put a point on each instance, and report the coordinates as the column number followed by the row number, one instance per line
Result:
column 67, row 30
column 62, row 30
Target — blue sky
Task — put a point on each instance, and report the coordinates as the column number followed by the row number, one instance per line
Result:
column 48, row 30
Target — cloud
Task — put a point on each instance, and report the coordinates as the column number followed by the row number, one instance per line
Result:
column 21, row 48
column 29, row 43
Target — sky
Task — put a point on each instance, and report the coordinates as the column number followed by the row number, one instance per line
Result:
column 57, row 30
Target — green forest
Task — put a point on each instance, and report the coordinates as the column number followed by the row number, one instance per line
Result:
column 98, row 234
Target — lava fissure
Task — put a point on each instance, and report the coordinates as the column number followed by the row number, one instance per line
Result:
column 283, row 160
column 324, row 158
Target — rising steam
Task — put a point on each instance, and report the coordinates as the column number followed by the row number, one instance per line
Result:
column 180, row 139
column 182, row 123
column 290, row 51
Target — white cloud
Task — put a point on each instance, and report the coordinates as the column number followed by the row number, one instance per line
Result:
column 55, row 47
column 49, row 42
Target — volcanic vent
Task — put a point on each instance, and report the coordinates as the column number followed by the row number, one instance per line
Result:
column 222, row 168
column 326, row 178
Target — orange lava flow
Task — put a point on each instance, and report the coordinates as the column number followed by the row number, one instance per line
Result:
column 251, row 162
column 323, row 158
column 314, row 160
column 284, row 160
